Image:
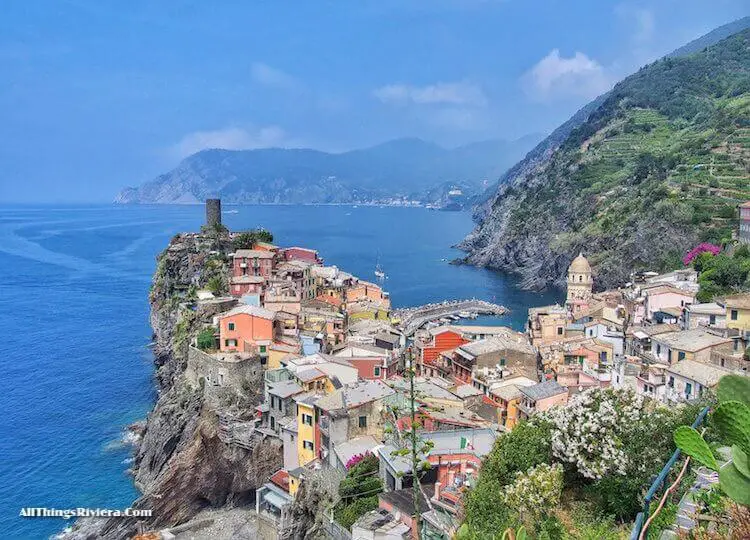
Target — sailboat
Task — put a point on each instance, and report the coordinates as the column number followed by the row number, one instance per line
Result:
column 379, row 270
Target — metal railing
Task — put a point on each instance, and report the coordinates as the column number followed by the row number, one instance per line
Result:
column 659, row 482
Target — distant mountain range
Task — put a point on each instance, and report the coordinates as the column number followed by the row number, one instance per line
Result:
column 635, row 178
column 398, row 170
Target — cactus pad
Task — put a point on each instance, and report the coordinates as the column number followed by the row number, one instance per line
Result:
column 732, row 420
column 734, row 388
column 691, row 443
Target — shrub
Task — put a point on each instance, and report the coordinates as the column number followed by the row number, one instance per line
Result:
column 535, row 492
column 216, row 285
column 206, row 338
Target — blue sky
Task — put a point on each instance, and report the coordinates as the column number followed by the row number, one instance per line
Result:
column 96, row 95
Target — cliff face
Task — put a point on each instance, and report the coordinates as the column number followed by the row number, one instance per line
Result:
column 634, row 180
column 183, row 464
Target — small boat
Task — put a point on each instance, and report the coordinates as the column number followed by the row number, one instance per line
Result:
column 230, row 212
column 464, row 314
column 379, row 270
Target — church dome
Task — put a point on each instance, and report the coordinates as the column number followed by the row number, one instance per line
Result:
column 579, row 265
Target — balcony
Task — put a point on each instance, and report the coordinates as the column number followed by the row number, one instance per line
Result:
column 324, row 423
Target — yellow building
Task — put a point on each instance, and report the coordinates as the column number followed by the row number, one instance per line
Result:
column 294, row 481
column 278, row 351
column 306, row 451
column 738, row 311
column 580, row 284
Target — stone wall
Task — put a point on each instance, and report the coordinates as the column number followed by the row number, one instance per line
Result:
column 220, row 373
column 213, row 212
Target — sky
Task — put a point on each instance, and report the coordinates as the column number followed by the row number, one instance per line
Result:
column 96, row 95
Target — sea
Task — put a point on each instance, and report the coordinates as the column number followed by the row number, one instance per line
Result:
column 74, row 331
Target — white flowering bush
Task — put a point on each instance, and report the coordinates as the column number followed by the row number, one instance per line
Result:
column 535, row 491
column 593, row 430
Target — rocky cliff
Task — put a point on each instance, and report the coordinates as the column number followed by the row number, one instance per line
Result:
column 634, row 179
column 183, row 465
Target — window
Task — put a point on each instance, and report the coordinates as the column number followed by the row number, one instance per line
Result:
column 308, row 445
column 688, row 389
column 273, row 401
column 712, row 319
column 262, row 348
column 230, row 326
column 680, row 355
column 377, row 371
column 363, row 421
column 658, row 349
column 230, row 342
column 307, row 419
column 733, row 315
column 671, row 382
column 722, row 362
column 502, row 361
column 559, row 330
column 273, row 423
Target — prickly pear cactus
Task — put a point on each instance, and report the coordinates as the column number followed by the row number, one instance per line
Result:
column 734, row 484
column 734, row 388
column 732, row 420
column 692, row 443
column 741, row 461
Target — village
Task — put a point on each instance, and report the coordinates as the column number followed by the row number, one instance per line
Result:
column 336, row 359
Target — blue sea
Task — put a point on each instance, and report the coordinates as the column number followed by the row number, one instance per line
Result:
column 75, row 333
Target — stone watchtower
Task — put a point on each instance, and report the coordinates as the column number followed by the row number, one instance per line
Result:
column 213, row 212
column 580, row 283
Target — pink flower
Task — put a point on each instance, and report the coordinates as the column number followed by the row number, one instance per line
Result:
column 703, row 247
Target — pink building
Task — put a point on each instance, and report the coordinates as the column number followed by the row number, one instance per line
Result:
column 745, row 222
column 253, row 262
column 663, row 297
column 301, row 254
column 541, row 397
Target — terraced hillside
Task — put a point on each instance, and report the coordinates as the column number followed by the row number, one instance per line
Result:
column 660, row 165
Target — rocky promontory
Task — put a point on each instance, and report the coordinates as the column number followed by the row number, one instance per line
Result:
column 184, row 463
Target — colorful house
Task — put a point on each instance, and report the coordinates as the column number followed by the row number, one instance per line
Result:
column 541, row 397
column 253, row 262
column 247, row 329
column 442, row 338
column 661, row 297
column 306, row 436
column 738, row 311
column 686, row 345
column 301, row 254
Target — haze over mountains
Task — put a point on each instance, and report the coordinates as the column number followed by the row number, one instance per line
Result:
column 635, row 178
column 403, row 168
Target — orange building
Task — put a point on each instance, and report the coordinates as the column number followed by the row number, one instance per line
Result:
column 365, row 290
column 246, row 329
column 441, row 339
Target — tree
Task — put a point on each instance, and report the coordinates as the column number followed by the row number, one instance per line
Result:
column 216, row 285
column 358, row 491
column 248, row 239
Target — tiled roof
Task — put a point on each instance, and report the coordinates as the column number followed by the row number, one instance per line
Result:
column 706, row 374
column 543, row 390
column 690, row 340
column 253, row 254
column 245, row 309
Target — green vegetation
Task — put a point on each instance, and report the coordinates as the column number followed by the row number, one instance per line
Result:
column 722, row 274
column 217, row 285
column 658, row 167
column 358, row 491
column 731, row 421
column 247, row 239
column 206, row 338
column 609, row 443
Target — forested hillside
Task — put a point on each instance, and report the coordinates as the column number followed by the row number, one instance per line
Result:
column 660, row 165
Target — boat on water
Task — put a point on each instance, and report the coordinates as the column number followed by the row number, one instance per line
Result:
column 379, row 273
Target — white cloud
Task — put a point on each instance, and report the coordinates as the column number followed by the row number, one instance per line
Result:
column 268, row 76
column 457, row 93
column 555, row 76
column 232, row 138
